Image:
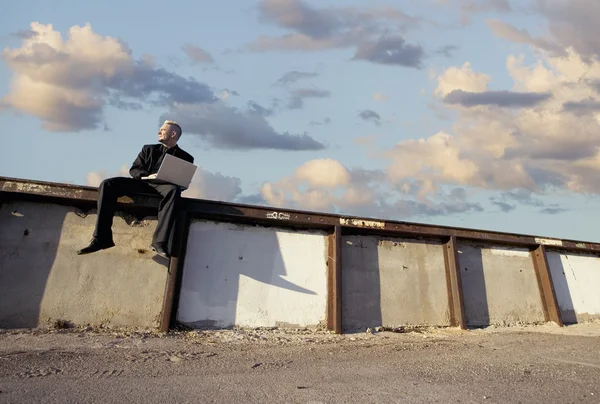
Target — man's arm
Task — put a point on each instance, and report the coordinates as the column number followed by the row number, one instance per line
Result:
column 138, row 168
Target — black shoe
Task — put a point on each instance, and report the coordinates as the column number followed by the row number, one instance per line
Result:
column 160, row 250
column 96, row 245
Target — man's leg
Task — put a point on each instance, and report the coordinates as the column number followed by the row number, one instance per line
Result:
column 167, row 212
column 108, row 192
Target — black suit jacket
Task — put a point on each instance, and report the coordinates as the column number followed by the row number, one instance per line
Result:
column 149, row 159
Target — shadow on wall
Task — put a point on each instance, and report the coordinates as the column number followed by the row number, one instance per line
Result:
column 393, row 282
column 361, row 284
column 29, row 240
column 576, row 278
column 42, row 279
column 475, row 294
column 237, row 275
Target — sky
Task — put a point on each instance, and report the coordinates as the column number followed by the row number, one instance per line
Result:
column 482, row 114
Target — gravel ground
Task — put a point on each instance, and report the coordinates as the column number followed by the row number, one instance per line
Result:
column 542, row 364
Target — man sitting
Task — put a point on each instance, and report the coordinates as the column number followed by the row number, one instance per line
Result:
column 146, row 164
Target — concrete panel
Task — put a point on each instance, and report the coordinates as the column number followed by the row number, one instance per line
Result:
column 576, row 279
column 42, row 279
column 237, row 275
column 499, row 286
column 392, row 282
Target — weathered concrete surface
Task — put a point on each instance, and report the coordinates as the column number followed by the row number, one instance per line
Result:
column 392, row 282
column 430, row 367
column 576, row 279
column 42, row 279
column 253, row 276
column 499, row 286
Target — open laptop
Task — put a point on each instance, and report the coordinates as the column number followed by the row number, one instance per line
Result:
column 176, row 171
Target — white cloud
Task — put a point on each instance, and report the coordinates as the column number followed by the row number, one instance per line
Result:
column 328, row 185
column 68, row 83
column 546, row 146
column 539, row 147
column 461, row 78
column 94, row 178
column 213, row 186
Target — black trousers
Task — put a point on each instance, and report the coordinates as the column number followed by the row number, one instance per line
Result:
column 112, row 188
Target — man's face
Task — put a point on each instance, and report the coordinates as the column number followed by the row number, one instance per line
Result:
column 165, row 133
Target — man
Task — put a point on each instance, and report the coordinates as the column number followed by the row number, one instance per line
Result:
column 146, row 164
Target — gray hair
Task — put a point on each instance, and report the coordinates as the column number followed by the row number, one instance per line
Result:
column 174, row 125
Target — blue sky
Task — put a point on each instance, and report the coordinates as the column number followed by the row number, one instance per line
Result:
column 471, row 113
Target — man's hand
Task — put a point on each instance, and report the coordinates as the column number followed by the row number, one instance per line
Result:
column 150, row 177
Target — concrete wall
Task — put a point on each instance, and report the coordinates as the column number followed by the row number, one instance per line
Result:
column 499, row 286
column 42, row 279
column 236, row 275
column 576, row 279
column 259, row 276
column 392, row 282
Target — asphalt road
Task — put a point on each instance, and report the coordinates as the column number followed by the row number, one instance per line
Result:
column 440, row 366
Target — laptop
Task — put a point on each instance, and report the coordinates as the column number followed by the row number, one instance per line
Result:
column 176, row 171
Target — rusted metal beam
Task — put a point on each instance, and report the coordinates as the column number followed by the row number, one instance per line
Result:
column 547, row 292
column 295, row 218
column 174, row 275
column 454, row 284
column 334, row 281
column 69, row 192
column 282, row 217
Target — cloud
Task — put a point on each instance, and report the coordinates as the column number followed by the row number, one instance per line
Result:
column 293, row 76
column 505, row 207
column 328, row 185
column 68, row 83
column 582, row 107
column 326, row 28
column 298, row 15
column 321, row 122
column 461, row 78
column 369, row 115
column 509, row 32
column 364, row 140
column 538, row 148
column 573, row 24
column 391, row 51
column 214, row 186
column 255, row 108
column 552, row 211
column 226, row 94
column 507, row 99
column 24, row 34
column 94, row 178
column 469, row 8
column 197, row 55
column 298, row 96
column 380, row 97
column 204, row 185
column 229, row 128
column 522, row 196
column 447, row 50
